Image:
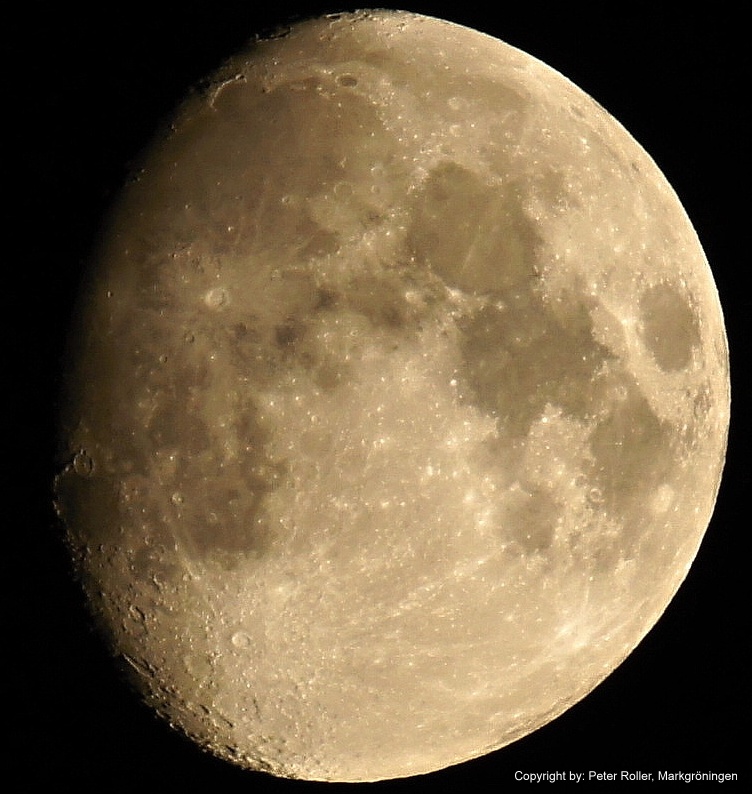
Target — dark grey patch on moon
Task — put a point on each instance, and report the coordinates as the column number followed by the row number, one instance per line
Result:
column 670, row 327
column 217, row 503
column 632, row 451
column 382, row 299
column 87, row 504
column 459, row 225
column 223, row 522
column 518, row 357
column 172, row 428
column 528, row 520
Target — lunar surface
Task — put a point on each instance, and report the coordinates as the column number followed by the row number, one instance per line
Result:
column 397, row 404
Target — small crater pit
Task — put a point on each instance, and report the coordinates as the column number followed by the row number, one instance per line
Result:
column 242, row 640
column 83, row 464
column 216, row 298
column 347, row 80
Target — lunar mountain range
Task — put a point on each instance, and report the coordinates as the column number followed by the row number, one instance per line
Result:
column 398, row 403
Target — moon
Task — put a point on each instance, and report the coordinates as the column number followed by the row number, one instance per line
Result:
column 398, row 402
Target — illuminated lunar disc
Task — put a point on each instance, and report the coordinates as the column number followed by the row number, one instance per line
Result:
column 398, row 406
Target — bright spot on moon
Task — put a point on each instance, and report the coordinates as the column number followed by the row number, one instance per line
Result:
column 398, row 403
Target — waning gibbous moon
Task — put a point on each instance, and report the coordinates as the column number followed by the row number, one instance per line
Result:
column 397, row 405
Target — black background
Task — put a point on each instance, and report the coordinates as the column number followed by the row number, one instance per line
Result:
column 87, row 86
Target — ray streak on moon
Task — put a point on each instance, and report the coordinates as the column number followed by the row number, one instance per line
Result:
column 398, row 402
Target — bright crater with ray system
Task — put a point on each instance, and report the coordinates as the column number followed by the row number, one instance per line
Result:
column 398, row 405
